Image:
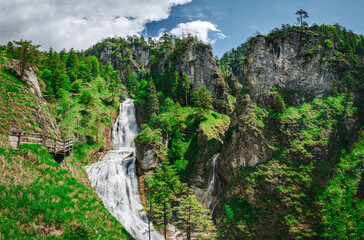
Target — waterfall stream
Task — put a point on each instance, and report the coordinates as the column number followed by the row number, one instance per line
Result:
column 209, row 197
column 115, row 177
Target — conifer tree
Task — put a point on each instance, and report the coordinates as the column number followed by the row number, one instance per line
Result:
column 166, row 180
column 152, row 99
column 173, row 85
column 186, row 87
column 302, row 14
column 202, row 98
column 26, row 53
column 72, row 64
column 193, row 220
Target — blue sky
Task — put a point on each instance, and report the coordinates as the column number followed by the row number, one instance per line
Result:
column 239, row 20
column 224, row 24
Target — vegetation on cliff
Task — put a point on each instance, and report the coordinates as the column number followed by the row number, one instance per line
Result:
column 314, row 176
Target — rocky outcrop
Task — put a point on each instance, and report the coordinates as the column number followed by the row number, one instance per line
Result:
column 297, row 67
column 40, row 111
column 247, row 140
column 193, row 58
column 198, row 63
column 149, row 155
column 136, row 57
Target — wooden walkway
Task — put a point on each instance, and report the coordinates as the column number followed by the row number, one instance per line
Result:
column 55, row 146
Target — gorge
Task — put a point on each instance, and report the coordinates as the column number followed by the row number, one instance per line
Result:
column 264, row 143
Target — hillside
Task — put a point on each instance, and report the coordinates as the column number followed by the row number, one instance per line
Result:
column 295, row 143
column 265, row 143
column 40, row 197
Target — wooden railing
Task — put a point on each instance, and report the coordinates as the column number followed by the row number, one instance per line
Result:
column 54, row 145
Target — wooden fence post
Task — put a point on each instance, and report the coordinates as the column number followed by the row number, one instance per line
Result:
column 19, row 139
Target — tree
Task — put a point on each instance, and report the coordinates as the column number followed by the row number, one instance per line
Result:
column 193, row 219
column 173, row 83
column 186, row 87
column 202, row 98
column 27, row 53
column 168, row 184
column 302, row 14
column 279, row 104
column 2, row 57
column 152, row 100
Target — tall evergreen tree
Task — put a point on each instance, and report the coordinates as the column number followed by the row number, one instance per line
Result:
column 166, row 180
column 26, row 53
column 193, row 219
column 302, row 14
column 152, row 100
column 202, row 98
column 186, row 87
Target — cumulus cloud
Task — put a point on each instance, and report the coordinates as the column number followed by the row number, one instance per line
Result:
column 199, row 28
column 78, row 24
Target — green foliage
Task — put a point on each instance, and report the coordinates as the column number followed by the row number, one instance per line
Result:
column 87, row 98
column 3, row 58
column 152, row 100
column 164, row 185
column 313, row 176
column 329, row 43
column 26, row 53
column 193, row 220
column 149, row 136
column 279, row 104
column 38, row 196
column 202, row 98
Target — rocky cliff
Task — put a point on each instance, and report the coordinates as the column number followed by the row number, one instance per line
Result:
column 187, row 56
column 277, row 162
column 24, row 97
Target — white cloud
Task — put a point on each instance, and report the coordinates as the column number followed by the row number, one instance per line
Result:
column 199, row 28
column 78, row 24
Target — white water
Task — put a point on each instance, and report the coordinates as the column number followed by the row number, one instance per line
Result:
column 209, row 197
column 115, row 179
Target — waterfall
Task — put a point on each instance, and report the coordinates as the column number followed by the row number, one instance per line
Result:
column 115, row 177
column 209, row 196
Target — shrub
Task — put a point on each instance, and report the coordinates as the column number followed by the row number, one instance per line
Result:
column 279, row 104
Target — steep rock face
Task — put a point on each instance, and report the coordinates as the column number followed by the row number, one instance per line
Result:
column 192, row 58
column 149, row 155
column 200, row 66
column 40, row 111
column 137, row 57
column 296, row 66
column 247, row 140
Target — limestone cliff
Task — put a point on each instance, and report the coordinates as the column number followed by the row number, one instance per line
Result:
column 28, row 92
column 187, row 56
column 277, row 162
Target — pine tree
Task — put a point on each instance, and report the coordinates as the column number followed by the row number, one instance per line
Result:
column 193, row 220
column 279, row 104
column 202, row 98
column 186, row 87
column 173, row 85
column 152, row 100
column 27, row 53
column 302, row 14
column 168, row 185
column 73, row 64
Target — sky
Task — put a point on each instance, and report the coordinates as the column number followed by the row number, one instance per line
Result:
column 224, row 24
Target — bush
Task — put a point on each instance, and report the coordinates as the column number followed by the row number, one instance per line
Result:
column 278, row 104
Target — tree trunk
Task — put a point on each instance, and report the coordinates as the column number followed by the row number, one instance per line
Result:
column 165, row 220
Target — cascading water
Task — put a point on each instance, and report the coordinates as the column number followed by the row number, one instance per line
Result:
column 209, row 196
column 115, row 179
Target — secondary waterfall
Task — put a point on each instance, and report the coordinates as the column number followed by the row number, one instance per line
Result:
column 115, row 178
column 209, row 197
